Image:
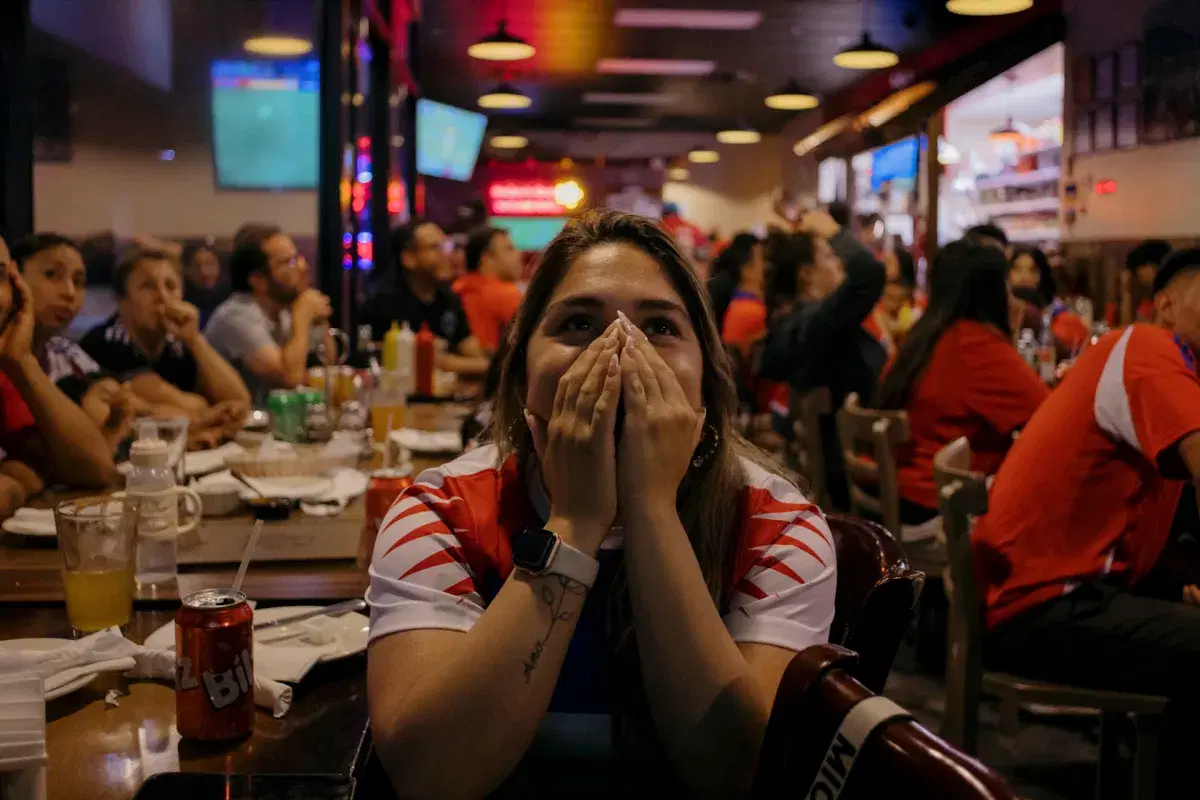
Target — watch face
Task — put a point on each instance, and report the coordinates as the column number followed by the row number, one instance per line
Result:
column 532, row 548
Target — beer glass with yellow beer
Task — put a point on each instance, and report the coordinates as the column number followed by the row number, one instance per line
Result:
column 97, row 539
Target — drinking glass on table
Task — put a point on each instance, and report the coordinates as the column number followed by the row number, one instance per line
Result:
column 174, row 431
column 96, row 536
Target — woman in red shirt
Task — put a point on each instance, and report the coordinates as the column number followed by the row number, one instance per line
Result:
column 958, row 374
column 1033, row 279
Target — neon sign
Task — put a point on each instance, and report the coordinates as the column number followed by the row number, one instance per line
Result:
column 533, row 198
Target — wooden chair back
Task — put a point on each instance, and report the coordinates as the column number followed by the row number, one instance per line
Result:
column 900, row 759
column 876, row 598
column 962, row 494
column 808, row 459
column 869, row 438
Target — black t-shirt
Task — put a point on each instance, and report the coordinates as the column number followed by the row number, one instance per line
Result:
column 394, row 301
column 110, row 344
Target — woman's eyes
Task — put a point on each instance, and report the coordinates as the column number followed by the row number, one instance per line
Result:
column 578, row 323
column 660, row 326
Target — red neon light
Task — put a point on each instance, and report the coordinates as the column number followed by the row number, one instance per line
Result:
column 1105, row 187
column 523, row 199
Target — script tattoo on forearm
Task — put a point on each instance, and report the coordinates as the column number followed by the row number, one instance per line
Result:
column 554, row 601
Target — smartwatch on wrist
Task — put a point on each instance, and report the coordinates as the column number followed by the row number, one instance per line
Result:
column 542, row 552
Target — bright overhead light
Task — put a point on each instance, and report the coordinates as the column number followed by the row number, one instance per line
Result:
column 505, row 96
column 702, row 155
column 568, row 194
column 508, row 141
column 792, row 97
column 278, row 45
column 688, row 19
column 866, row 53
column 501, row 46
column 629, row 98
column 741, row 135
column 678, row 174
column 896, row 103
column 613, row 122
column 987, row 8
column 1006, row 133
column 681, row 67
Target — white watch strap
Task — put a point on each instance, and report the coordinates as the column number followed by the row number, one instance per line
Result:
column 574, row 564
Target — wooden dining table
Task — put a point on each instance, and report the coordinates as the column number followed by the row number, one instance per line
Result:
column 102, row 751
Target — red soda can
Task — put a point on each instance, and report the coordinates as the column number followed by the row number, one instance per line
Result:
column 214, row 666
column 385, row 486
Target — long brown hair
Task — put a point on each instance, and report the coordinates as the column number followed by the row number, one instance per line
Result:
column 707, row 500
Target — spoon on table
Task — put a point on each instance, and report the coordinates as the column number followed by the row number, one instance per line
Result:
column 264, row 508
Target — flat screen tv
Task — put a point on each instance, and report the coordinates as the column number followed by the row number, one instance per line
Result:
column 265, row 120
column 448, row 140
column 895, row 162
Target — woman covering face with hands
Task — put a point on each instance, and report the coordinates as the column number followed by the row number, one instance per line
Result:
column 616, row 550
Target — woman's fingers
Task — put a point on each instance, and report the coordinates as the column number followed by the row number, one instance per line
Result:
column 668, row 384
column 635, row 351
column 589, row 394
column 604, row 417
column 632, row 387
column 570, row 383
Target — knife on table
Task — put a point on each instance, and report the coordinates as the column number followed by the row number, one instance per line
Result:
column 335, row 610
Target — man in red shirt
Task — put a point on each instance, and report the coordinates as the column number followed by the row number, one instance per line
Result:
column 489, row 290
column 44, row 436
column 1082, row 510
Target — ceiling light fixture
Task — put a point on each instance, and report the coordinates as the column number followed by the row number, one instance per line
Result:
column 501, row 46
column 792, row 97
column 866, row 53
column 508, row 141
column 821, row 135
column 505, row 96
column 1006, row 132
column 703, row 155
column 679, row 67
column 678, row 174
column 987, row 8
column 688, row 19
column 743, row 134
column 277, row 45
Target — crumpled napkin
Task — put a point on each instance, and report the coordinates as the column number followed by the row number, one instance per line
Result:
column 419, row 441
column 109, row 651
column 347, row 485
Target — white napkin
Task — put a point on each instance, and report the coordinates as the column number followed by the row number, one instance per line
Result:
column 200, row 462
column 22, row 736
column 109, row 651
column 272, row 449
column 347, row 485
column 428, row 441
column 272, row 695
column 33, row 521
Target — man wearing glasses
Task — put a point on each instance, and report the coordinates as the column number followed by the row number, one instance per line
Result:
column 264, row 328
column 413, row 292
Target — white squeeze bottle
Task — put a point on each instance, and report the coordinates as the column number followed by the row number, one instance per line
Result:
column 153, row 482
column 406, row 345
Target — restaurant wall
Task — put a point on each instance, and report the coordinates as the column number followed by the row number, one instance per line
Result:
column 133, row 192
column 736, row 193
column 1155, row 184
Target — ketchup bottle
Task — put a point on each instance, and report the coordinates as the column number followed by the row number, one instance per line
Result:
column 424, row 360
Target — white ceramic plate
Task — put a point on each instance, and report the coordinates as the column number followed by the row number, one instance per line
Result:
column 294, row 487
column 50, row 644
column 347, row 634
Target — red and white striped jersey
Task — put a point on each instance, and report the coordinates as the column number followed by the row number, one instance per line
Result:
column 444, row 551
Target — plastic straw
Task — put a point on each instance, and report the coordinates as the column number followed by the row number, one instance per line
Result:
column 241, row 573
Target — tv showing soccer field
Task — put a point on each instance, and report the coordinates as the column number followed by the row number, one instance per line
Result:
column 265, row 122
column 448, row 140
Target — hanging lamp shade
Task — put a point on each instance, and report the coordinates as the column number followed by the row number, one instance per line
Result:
column 703, row 155
column 987, row 8
column 866, row 53
column 501, row 46
column 792, row 97
column 743, row 134
column 508, row 141
column 678, row 173
column 505, row 96
column 1006, row 133
column 282, row 32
